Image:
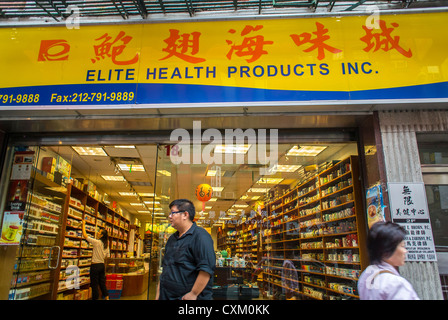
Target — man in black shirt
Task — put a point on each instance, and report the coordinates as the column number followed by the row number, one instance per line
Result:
column 189, row 261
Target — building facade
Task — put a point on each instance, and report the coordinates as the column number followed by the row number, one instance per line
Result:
column 374, row 83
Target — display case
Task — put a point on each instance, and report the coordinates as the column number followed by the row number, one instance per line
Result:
column 125, row 265
column 133, row 271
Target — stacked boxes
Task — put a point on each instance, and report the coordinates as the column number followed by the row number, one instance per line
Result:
column 56, row 169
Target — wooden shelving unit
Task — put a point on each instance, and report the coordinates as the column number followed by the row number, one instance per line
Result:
column 312, row 238
column 75, row 250
column 247, row 245
column 227, row 238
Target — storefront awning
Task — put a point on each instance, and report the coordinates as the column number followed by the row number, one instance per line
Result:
column 146, row 9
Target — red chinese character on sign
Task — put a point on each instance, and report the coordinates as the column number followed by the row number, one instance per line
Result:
column 113, row 48
column 383, row 39
column 317, row 43
column 252, row 47
column 179, row 44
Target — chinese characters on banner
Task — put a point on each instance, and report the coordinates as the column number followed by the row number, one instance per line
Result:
column 108, row 48
column 318, row 43
column 252, row 46
column 179, row 45
column 409, row 209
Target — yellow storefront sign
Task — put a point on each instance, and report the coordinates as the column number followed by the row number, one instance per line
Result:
column 308, row 59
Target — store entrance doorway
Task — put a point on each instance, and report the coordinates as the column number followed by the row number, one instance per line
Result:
column 126, row 189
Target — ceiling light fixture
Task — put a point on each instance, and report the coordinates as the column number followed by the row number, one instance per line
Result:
column 269, row 180
column 147, row 194
column 213, row 173
column 306, row 151
column 131, row 167
column 151, row 202
column 127, row 194
column 232, row 148
column 258, row 190
column 284, row 168
column 90, row 151
column 113, row 178
column 164, row 173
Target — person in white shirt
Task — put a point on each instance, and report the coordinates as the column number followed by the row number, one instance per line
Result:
column 381, row 280
column 97, row 268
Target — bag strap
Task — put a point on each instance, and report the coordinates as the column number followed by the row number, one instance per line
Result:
column 382, row 271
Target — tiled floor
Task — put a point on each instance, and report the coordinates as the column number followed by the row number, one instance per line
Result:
column 144, row 295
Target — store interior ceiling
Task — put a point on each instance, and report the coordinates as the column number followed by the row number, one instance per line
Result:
column 139, row 186
column 58, row 11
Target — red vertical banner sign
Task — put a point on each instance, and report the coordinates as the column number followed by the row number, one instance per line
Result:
column 12, row 225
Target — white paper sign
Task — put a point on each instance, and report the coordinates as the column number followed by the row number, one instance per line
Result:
column 409, row 208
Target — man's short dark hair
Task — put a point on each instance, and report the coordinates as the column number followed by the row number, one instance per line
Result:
column 383, row 239
column 184, row 205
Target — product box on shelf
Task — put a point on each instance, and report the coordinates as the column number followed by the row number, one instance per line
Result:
column 85, row 294
column 76, row 203
column 74, row 213
column 64, row 296
column 90, row 187
column 49, row 165
column 59, row 179
column 77, row 183
column 63, row 167
column 68, row 262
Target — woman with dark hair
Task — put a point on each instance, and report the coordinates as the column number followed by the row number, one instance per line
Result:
column 97, row 268
column 387, row 252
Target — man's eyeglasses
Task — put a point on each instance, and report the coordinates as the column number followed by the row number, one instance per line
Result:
column 174, row 212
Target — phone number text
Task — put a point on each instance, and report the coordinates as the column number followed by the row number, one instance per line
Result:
column 19, row 98
column 93, row 97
